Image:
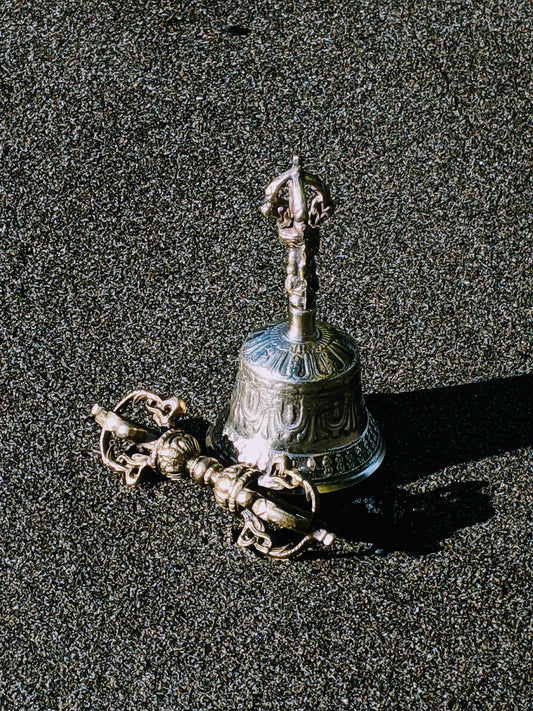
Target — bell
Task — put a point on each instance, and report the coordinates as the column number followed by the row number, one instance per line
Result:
column 298, row 388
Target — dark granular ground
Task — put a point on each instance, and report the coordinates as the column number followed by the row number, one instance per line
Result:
column 136, row 139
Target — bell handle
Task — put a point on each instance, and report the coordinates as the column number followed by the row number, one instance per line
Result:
column 297, row 227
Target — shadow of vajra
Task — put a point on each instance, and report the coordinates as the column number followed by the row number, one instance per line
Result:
column 389, row 518
column 427, row 431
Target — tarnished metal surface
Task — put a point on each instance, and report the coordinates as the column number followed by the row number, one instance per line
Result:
column 241, row 489
column 298, row 388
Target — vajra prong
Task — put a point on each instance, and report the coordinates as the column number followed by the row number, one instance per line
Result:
column 243, row 490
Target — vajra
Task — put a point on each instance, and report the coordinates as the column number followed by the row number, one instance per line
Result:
column 252, row 495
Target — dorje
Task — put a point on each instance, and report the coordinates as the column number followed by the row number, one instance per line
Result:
column 298, row 388
column 271, row 525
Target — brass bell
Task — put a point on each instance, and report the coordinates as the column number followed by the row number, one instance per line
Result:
column 298, row 389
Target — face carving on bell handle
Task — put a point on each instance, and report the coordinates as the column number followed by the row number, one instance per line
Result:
column 298, row 388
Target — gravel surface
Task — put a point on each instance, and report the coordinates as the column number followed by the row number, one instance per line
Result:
column 136, row 139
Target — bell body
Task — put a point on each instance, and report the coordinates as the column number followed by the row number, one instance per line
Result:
column 301, row 398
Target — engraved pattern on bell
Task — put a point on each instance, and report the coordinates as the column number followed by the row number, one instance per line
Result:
column 291, row 401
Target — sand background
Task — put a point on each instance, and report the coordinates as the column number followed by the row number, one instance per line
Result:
column 136, row 139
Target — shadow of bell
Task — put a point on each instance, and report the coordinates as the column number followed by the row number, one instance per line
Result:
column 427, row 431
